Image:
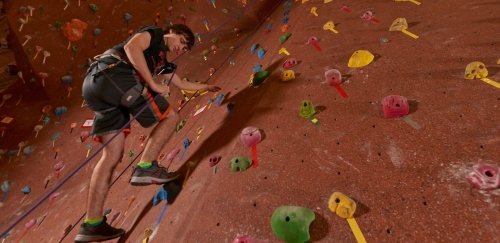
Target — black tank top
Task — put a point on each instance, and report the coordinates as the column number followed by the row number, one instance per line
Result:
column 156, row 53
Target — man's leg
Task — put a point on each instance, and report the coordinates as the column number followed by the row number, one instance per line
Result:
column 159, row 136
column 101, row 176
column 95, row 228
column 148, row 171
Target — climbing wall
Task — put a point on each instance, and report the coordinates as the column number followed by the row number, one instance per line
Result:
column 383, row 102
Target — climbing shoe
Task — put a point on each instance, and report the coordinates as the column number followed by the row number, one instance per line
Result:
column 152, row 175
column 101, row 232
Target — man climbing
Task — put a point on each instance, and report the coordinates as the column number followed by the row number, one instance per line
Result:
column 125, row 80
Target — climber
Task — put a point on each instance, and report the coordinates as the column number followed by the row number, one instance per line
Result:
column 119, row 83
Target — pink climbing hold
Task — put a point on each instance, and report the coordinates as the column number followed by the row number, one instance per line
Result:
column 333, row 77
column 395, row 106
column 290, row 63
column 485, row 176
column 244, row 239
column 250, row 136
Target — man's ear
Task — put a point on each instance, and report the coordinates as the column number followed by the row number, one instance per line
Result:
column 171, row 31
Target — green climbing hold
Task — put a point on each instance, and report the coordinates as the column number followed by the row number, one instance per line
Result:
column 258, row 78
column 291, row 223
column 285, row 37
column 307, row 109
column 240, row 163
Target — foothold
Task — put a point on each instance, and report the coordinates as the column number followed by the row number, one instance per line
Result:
column 28, row 150
column 26, row 190
column 107, row 211
column 283, row 51
column 287, row 75
column 257, row 68
column 475, row 70
column 314, row 11
column 333, row 77
column 485, row 176
column 214, row 160
column 219, row 99
column 240, row 163
column 307, row 109
column 395, row 106
column 313, row 40
column 342, row 205
column 400, row 24
column 6, row 186
column 250, row 136
column 290, row 63
column 330, row 26
column 261, row 53
column 243, row 239
column 30, row 223
column 291, row 223
column 284, row 20
column 258, row 78
column 360, row 58
column 285, row 37
column 253, row 48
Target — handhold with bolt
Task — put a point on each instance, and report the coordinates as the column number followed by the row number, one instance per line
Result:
column 313, row 40
column 334, row 78
column 342, row 205
column 485, row 176
column 395, row 106
column 314, row 11
column 360, row 58
column 240, row 163
column 330, row 26
column 291, row 223
column 284, row 51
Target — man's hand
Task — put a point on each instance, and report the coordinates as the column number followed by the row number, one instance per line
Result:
column 213, row 88
column 160, row 88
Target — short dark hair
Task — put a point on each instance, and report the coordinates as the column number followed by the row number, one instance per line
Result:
column 181, row 29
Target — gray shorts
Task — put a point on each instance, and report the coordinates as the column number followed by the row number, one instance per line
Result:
column 105, row 99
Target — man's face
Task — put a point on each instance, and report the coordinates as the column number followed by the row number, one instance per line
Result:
column 178, row 44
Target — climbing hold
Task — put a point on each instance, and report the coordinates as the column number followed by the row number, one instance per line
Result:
column 261, row 53
column 290, row 63
column 478, row 70
column 285, row 37
column 307, row 109
column 333, row 77
column 240, row 163
column 342, row 205
column 254, row 47
column 475, row 70
column 287, row 75
column 243, row 239
column 26, row 190
column 250, row 136
column 291, row 223
column 6, row 186
column 485, row 176
column 395, row 106
column 360, row 58
column 400, row 24
column 258, row 78
column 257, row 68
